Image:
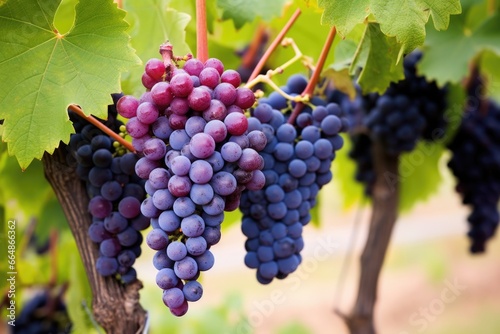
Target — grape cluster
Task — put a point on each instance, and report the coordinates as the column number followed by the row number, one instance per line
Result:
column 43, row 313
column 409, row 109
column 476, row 165
column 115, row 193
column 297, row 161
column 199, row 154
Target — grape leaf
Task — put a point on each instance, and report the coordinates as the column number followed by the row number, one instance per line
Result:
column 243, row 11
column 47, row 71
column 148, row 32
column 448, row 53
column 344, row 14
column 377, row 57
column 406, row 20
column 420, row 164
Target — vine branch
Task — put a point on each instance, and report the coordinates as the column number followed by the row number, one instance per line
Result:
column 309, row 90
column 384, row 215
column 274, row 45
column 201, row 31
column 116, row 307
column 102, row 127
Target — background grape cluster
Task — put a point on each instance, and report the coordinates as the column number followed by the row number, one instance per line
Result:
column 115, row 193
column 297, row 161
column 199, row 154
column 475, row 163
column 409, row 110
column 44, row 312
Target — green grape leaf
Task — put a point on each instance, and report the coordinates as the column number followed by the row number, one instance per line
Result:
column 344, row 53
column 344, row 14
column 46, row 71
column 149, row 32
column 244, row 11
column 376, row 55
column 420, row 164
column 448, row 53
column 406, row 20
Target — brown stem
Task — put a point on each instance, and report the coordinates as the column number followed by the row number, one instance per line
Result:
column 385, row 209
column 253, row 48
column 115, row 306
column 274, row 45
column 201, row 31
column 309, row 90
column 102, row 127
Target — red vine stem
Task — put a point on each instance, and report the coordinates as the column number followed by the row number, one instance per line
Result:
column 254, row 46
column 274, row 45
column 201, row 31
column 102, row 127
column 309, row 90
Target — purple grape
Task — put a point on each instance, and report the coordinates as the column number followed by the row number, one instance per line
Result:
column 216, row 129
column 127, row 106
column 209, row 77
column 166, row 278
column 161, row 93
column 176, row 251
column 205, row 261
column 100, row 207
column 169, row 221
column 173, row 298
column 110, row 247
column 192, row 291
column 157, row 239
column 147, row 113
column 202, row 145
column 186, row 269
column 106, row 266
column 181, row 85
column 199, row 99
column 155, row 68
column 232, row 77
column 192, row 226
column 200, row 172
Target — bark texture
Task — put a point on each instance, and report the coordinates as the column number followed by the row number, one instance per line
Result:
column 384, row 215
column 116, row 307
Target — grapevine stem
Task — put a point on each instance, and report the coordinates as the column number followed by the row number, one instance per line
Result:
column 274, row 45
column 102, row 127
column 267, row 77
column 298, row 55
column 309, row 90
column 201, row 30
column 254, row 46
